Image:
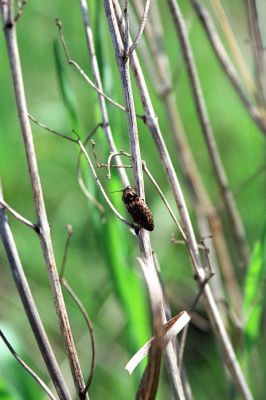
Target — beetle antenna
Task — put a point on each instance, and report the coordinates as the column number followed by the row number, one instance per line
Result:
column 116, row 191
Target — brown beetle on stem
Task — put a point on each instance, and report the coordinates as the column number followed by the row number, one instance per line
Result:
column 138, row 209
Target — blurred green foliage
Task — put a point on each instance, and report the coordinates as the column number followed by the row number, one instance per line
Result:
column 102, row 264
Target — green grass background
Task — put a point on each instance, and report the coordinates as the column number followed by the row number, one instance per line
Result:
column 102, row 264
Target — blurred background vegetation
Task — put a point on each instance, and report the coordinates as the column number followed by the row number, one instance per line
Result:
column 101, row 264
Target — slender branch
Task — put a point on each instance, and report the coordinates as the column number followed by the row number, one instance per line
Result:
column 45, row 237
column 80, row 306
column 228, row 198
column 97, row 78
column 106, row 198
column 141, row 28
column 88, row 194
column 41, row 125
column 145, row 246
column 27, row 368
column 147, row 171
column 214, row 315
column 233, row 44
column 150, row 176
column 30, row 307
column 84, row 151
column 226, row 63
column 82, row 72
column 18, row 216
column 258, row 52
column 196, row 187
column 20, row 9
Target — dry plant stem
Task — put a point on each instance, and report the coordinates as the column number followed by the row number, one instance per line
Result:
column 144, row 240
column 80, row 70
column 27, row 368
column 80, row 306
column 51, row 130
column 98, row 82
column 88, row 194
column 232, row 41
column 45, row 237
column 141, row 28
column 18, row 216
column 227, row 65
column 229, row 201
column 199, row 195
column 20, row 10
column 84, row 75
column 106, row 198
column 214, row 315
column 258, row 51
column 150, row 380
column 30, row 307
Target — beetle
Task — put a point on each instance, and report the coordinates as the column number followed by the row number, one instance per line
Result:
column 138, row 209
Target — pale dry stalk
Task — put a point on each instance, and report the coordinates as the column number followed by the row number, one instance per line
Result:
column 45, row 237
column 213, row 312
column 144, row 239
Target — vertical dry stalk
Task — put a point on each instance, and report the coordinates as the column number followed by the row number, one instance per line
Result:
column 45, row 237
column 213, row 312
column 199, row 196
column 144, row 240
column 228, row 198
column 258, row 52
column 97, row 78
column 30, row 307
column 227, row 65
column 232, row 41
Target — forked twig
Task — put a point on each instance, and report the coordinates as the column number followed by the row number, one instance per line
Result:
column 182, row 342
column 80, row 70
column 30, row 306
column 21, row 5
column 226, row 63
column 153, row 125
column 145, row 246
column 27, row 368
column 80, row 306
column 45, row 236
column 41, row 125
column 141, row 28
column 18, row 216
column 106, row 198
column 228, row 198
column 148, row 173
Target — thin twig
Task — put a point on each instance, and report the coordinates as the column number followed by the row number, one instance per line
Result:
column 20, row 9
column 84, row 151
column 45, row 237
column 30, row 306
column 145, row 246
column 196, row 187
column 27, row 368
column 41, row 125
column 150, row 176
column 226, row 63
column 258, row 52
column 80, row 306
column 215, row 317
column 182, row 342
column 233, row 44
column 18, row 216
column 82, row 72
column 88, row 194
column 228, row 198
column 106, row 198
column 141, row 28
